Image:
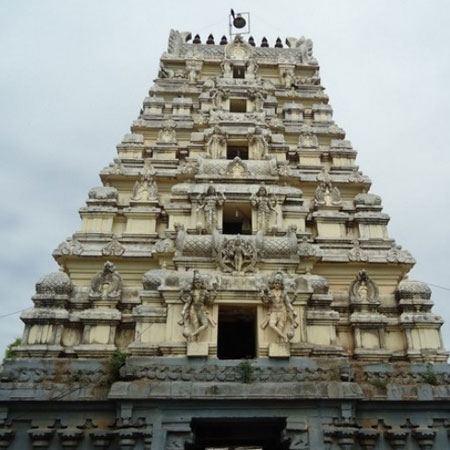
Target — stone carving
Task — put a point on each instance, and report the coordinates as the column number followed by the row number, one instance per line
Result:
column 218, row 96
column 189, row 167
column 192, row 72
column 265, row 207
column 305, row 46
column 169, row 73
column 251, row 68
column 237, row 168
column 147, row 170
column 209, row 202
column 195, row 316
column 258, row 98
column 113, row 248
column 259, row 141
column 145, row 190
column 216, row 145
column 283, row 169
column 180, row 238
column 356, row 177
column 237, row 255
column 308, row 139
column 288, row 77
column 363, row 289
column 55, row 283
column 227, row 70
column 357, row 253
column 167, row 134
column 280, row 314
column 327, row 194
column 397, row 255
column 238, row 49
column 107, row 284
column 71, row 246
column 103, row 194
column 305, row 249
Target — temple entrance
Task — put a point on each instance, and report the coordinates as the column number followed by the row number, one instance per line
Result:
column 236, row 333
column 238, row 433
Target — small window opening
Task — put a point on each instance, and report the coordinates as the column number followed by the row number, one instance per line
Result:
column 238, row 72
column 236, row 333
column 237, row 219
column 238, row 105
column 233, row 151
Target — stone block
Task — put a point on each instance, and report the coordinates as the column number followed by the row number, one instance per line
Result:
column 197, row 349
column 279, row 350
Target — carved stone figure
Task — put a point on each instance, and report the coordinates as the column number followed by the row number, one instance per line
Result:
column 107, row 284
column 288, row 77
column 252, row 67
column 195, row 316
column 260, row 142
column 308, row 139
column 227, row 70
column 216, row 144
column 327, row 194
column 237, row 255
column 258, row 98
column 167, row 133
column 145, row 190
column 237, row 168
column 148, row 170
column 209, row 202
column 218, row 97
column 363, row 289
column 265, row 206
column 280, row 311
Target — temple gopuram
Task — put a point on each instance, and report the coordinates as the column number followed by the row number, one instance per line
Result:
column 232, row 284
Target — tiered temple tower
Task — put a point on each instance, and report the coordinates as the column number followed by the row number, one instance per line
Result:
column 232, row 283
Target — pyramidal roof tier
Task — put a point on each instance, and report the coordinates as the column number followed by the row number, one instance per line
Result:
column 233, row 253
column 235, row 199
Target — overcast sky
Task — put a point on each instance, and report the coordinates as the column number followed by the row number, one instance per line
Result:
column 73, row 75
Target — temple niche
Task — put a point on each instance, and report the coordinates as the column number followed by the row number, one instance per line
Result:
column 234, row 252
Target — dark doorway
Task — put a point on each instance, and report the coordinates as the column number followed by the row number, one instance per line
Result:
column 238, row 72
column 233, row 151
column 238, row 105
column 228, row 433
column 236, row 333
column 237, row 218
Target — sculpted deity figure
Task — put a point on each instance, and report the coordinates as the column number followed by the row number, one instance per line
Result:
column 227, row 69
column 288, row 78
column 218, row 96
column 216, row 144
column 258, row 97
column 209, row 202
column 308, row 139
column 265, row 206
column 280, row 311
column 363, row 289
column 252, row 67
column 260, row 142
column 327, row 194
column 195, row 315
column 237, row 255
column 107, row 284
column 167, row 133
column 145, row 190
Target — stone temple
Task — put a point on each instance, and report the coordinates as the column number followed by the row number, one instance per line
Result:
column 233, row 283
